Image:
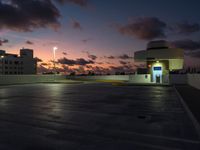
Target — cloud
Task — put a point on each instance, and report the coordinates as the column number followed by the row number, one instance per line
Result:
column 99, row 69
column 124, row 56
column 27, row 15
column 91, row 56
column 66, row 61
column 3, row 41
column 187, row 28
column 76, row 25
column 109, row 57
column 195, row 54
column 45, row 64
column 86, row 40
column 64, row 53
column 147, row 28
column 82, row 3
column 38, row 59
column 99, row 63
column 42, row 69
column 123, row 62
column 83, row 62
column 71, row 62
column 29, row 42
column 123, row 68
column 191, row 47
column 186, row 44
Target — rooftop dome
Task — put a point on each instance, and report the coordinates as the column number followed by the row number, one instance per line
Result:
column 161, row 44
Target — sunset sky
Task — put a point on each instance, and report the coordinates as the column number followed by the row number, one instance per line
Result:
column 100, row 35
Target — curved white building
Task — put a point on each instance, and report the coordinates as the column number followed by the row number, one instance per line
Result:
column 160, row 59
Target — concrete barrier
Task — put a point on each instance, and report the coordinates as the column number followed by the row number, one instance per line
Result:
column 101, row 77
column 23, row 79
column 128, row 78
column 194, row 80
column 191, row 79
column 144, row 78
column 178, row 79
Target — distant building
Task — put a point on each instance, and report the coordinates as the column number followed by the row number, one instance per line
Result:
column 12, row 64
column 160, row 59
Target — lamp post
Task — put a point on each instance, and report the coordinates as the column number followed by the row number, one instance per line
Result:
column 54, row 60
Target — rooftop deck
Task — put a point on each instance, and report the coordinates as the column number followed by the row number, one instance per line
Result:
column 94, row 117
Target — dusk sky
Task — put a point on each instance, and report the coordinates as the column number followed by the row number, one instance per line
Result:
column 98, row 34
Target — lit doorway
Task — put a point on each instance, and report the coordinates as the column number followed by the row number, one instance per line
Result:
column 157, row 74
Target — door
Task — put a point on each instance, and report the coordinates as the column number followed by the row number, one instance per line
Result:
column 157, row 74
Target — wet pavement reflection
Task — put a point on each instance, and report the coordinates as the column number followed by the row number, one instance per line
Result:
column 93, row 116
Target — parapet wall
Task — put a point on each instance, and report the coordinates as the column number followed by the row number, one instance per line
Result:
column 129, row 78
column 23, row 79
column 191, row 79
column 101, row 77
column 178, row 79
column 194, row 80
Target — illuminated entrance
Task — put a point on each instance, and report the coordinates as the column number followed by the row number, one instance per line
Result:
column 157, row 74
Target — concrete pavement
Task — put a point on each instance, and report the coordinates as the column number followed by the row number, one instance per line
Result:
column 94, row 116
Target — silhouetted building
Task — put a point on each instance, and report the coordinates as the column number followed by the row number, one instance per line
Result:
column 12, row 64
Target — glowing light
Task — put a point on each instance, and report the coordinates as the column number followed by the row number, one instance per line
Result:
column 157, row 61
column 54, row 57
column 54, row 52
column 2, row 56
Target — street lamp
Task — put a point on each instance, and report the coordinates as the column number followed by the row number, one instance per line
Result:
column 54, row 57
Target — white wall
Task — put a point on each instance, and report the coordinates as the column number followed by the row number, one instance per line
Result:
column 140, row 78
column 178, row 78
column 194, row 80
column 102, row 77
column 22, row 79
column 191, row 79
column 131, row 78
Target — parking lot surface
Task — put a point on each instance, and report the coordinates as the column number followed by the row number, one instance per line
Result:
column 94, row 117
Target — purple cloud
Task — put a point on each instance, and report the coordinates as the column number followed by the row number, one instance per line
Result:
column 146, row 28
column 82, row 3
column 27, row 15
column 187, row 28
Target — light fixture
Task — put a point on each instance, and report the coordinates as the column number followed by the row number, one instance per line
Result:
column 54, row 59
